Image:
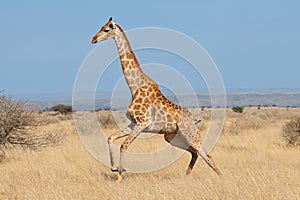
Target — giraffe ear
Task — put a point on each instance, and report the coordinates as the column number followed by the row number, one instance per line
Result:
column 110, row 19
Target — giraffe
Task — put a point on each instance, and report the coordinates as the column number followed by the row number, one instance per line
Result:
column 149, row 110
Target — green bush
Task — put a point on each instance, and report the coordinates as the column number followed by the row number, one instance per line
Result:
column 291, row 132
column 61, row 108
column 238, row 109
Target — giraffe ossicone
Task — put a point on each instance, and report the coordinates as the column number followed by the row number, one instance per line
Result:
column 149, row 110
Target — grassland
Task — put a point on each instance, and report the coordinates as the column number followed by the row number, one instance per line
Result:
column 251, row 153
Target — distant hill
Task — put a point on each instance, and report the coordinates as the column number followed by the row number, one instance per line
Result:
column 235, row 97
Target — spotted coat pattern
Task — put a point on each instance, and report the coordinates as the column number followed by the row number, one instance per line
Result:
column 150, row 110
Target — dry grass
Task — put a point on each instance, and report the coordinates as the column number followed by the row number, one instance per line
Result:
column 252, row 155
column 291, row 132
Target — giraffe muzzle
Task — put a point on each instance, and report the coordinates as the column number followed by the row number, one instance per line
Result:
column 94, row 40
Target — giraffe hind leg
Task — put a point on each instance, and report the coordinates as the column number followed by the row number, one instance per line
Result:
column 208, row 159
column 193, row 160
column 193, row 138
column 178, row 140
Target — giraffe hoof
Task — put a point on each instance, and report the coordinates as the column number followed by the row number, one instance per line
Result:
column 116, row 169
column 119, row 178
column 219, row 173
column 122, row 170
column 188, row 171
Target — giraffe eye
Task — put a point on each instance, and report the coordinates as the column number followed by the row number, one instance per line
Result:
column 106, row 30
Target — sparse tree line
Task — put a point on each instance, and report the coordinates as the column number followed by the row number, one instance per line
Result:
column 235, row 108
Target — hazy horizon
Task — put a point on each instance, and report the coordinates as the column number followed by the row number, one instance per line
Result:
column 203, row 91
column 235, row 97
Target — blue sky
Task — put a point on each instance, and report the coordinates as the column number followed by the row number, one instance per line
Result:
column 255, row 44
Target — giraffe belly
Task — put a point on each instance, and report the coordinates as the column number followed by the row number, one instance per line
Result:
column 161, row 127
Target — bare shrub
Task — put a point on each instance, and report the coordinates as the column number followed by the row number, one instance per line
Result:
column 17, row 122
column 291, row 132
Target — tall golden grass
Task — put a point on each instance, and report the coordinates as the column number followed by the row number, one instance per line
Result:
column 252, row 154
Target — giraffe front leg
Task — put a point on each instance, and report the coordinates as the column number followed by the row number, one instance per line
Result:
column 137, row 129
column 110, row 141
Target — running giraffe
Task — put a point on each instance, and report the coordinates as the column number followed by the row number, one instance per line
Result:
column 149, row 110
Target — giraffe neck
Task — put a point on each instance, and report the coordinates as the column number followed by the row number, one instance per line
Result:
column 134, row 75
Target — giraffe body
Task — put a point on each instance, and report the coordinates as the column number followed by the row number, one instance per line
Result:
column 150, row 110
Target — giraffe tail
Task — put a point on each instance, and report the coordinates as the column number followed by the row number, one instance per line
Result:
column 196, row 121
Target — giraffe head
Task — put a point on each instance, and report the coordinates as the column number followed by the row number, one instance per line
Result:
column 106, row 32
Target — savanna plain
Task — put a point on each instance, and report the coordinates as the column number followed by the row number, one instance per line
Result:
column 252, row 155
